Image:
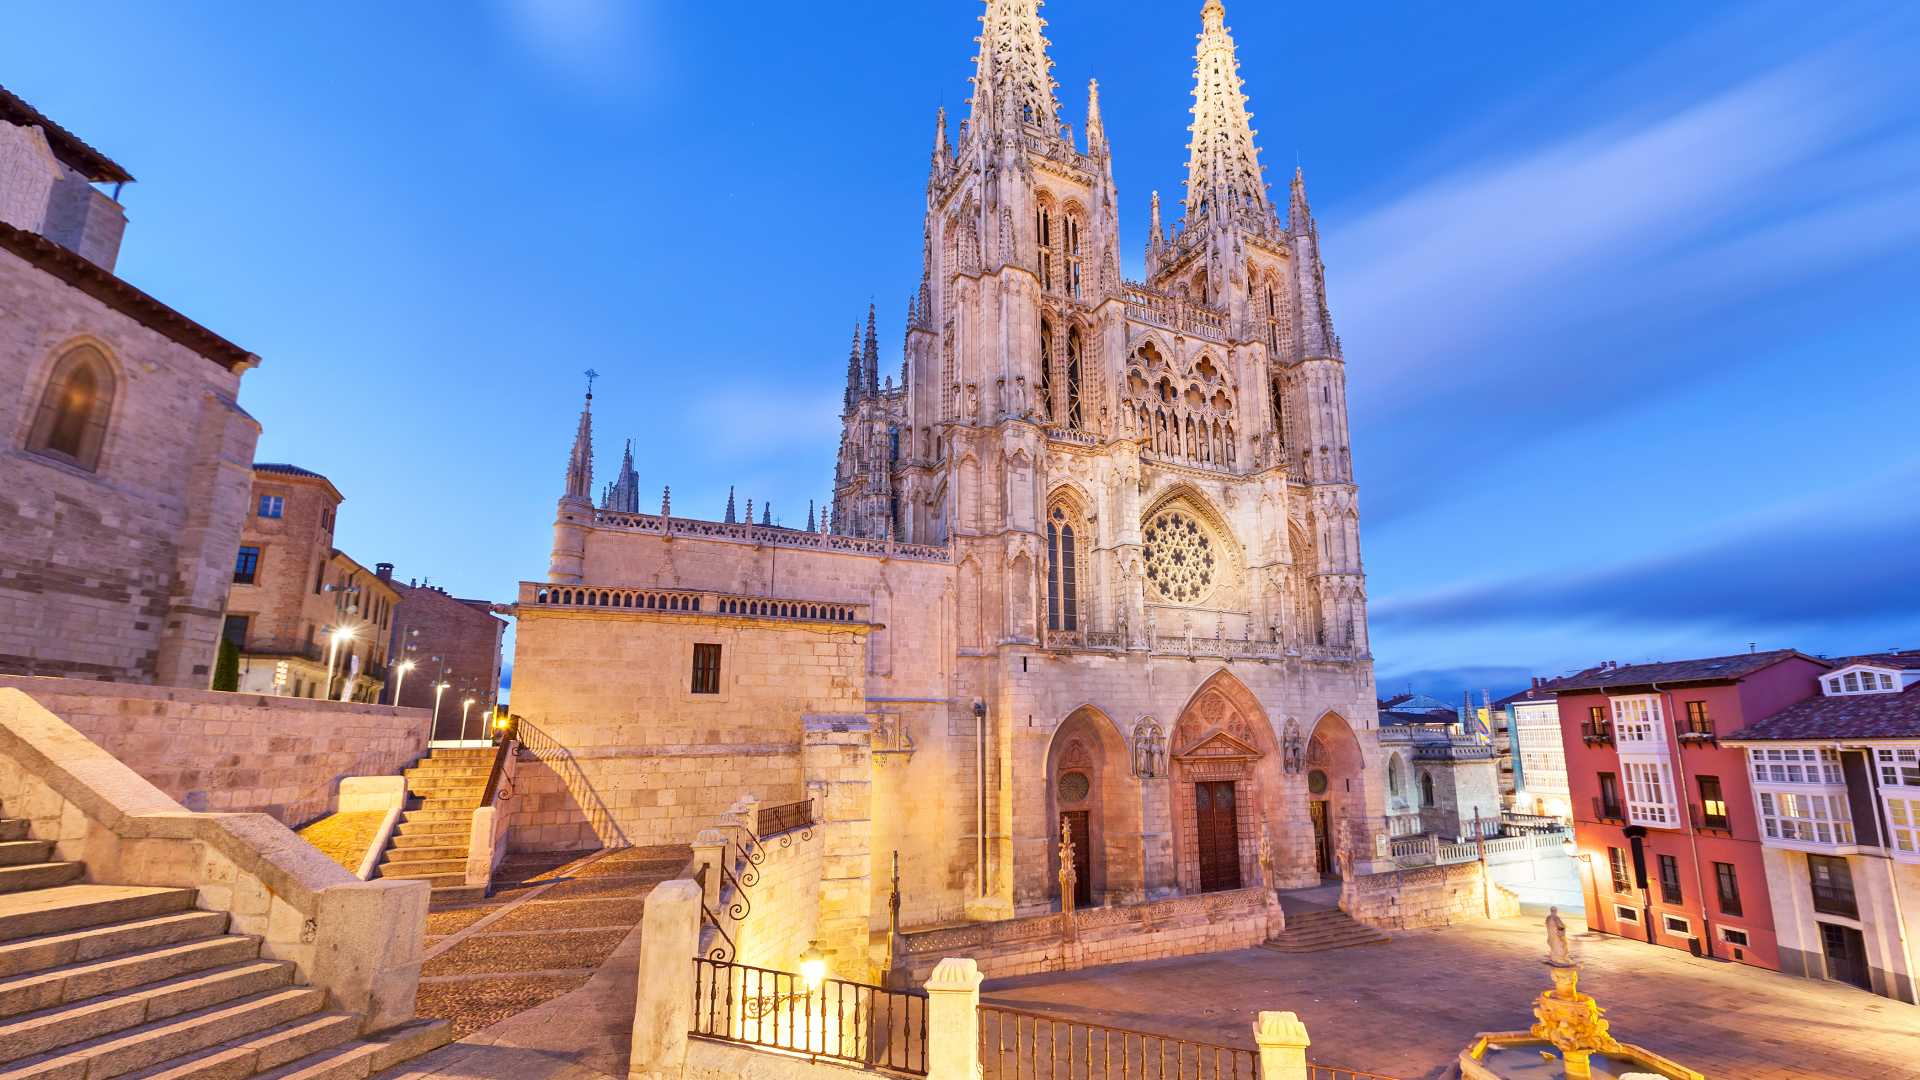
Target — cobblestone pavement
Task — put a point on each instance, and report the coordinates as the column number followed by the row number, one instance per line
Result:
column 1408, row 1007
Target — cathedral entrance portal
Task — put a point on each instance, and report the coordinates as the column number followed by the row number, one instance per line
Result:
column 1322, row 847
column 1218, row 833
column 1226, row 787
column 1092, row 793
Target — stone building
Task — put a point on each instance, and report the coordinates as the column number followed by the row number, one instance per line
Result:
column 1443, row 779
column 1093, row 564
column 294, row 592
column 449, row 640
column 125, row 458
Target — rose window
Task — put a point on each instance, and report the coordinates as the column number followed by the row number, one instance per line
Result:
column 1179, row 557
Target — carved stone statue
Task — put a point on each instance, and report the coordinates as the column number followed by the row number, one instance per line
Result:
column 1557, row 954
column 1069, row 877
column 1266, row 857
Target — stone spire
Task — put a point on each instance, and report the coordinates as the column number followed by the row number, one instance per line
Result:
column 870, row 355
column 1223, row 168
column 809, row 515
column 853, row 378
column 730, row 514
column 1013, row 76
column 766, row 513
column 1316, row 323
column 942, row 153
column 1096, row 130
column 623, row 495
column 580, row 460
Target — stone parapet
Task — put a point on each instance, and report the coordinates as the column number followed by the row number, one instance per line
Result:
column 1426, row 896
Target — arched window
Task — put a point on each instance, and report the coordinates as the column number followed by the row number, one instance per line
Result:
column 1043, row 228
column 1063, row 592
column 1046, row 370
column 1396, row 776
column 1426, row 789
column 71, row 423
column 1073, row 256
column 1073, row 378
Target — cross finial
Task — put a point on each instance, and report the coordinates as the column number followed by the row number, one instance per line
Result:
column 591, row 375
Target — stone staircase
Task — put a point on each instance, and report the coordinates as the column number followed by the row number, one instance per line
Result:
column 1317, row 927
column 431, row 841
column 103, row 981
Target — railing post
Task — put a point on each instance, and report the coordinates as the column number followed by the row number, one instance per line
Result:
column 710, row 850
column 953, row 1020
column 1282, row 1039
column 663, row 1008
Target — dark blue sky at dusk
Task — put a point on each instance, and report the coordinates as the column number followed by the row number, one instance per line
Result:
column 1628, row 292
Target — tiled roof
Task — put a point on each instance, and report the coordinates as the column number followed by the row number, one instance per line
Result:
column 285, row 469
column 1401, row 717
column 1844, row 716
column 67, row 146
column 1904, row 660
column 1531, row 693
column 1706, row 669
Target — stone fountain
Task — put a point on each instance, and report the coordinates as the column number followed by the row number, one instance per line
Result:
column 1570, row 1039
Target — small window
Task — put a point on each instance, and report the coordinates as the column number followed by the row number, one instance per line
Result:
column 247, row 566
column 1426, row 789
column 1669, row 879
column 1626, row 914
column 1713, row 804
column 1832, row 882
column 235, row 630
column 71, row 423
column 1727, row 882
column 1734, row 937
column 1610, row 796
column 1617, row 862
column 1677, row 926
column 272, row 506
column 706, row 668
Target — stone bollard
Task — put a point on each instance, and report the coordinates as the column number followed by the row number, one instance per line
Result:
column 953, row 1020
column 1282, row 1039
column 663, row 1008
column 710, row 851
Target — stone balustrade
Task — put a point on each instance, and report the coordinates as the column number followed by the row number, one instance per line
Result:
column 687, row 601
column 772, row 535
column 1175, row 313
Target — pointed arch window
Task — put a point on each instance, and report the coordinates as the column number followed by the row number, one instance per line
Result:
column 71, row 423
column 1043, row 228
column 1046, row 370
column 1073, row 256
column 1063, row 577
column 1074, row 409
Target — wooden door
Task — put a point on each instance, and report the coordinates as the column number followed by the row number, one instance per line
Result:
column 1846, row 952
column 1218, row 833
column 1322, row 846
column 1075, row 822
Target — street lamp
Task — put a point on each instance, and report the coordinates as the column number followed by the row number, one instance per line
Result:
column 438, row 689
column 399, row 678
column 464, row 706
column 340, row 634
column 813, row 966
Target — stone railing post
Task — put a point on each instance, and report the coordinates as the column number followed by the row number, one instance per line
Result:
column 710, row 851
column 747, row 813
column 1282, row 1039
column 953, row 1020
column 663, row 1009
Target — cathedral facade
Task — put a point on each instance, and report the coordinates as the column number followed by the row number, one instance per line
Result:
column 1092, row 566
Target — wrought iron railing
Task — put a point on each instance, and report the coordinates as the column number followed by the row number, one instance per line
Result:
column 1334, row 1072
column 1020, row 1045
column 786, row 817
column 1608, row 811
column 1600, row 734
column 830, row 1019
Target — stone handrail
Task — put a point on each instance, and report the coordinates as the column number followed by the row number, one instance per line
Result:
column 770, row 534
column 1176, row 313
column 687, row 601
column 487, row 832
column 360, row 941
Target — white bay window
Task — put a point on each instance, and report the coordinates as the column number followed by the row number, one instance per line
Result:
column 1802, row 796
column 1637, row 724
column 1899, row 768
column 1649, row 783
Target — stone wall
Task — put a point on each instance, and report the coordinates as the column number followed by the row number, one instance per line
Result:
column 1427, row 896
column 783, row 906
column 1183, row 926
column 284, row 757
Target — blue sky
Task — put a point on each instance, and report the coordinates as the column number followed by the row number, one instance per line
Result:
column 1627, row 292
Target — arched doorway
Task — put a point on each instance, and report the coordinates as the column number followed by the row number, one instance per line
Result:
column 1336, row 795
column 1092, row 794
column 1226, row 782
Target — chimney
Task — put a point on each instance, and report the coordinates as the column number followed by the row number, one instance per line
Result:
column 383, row 571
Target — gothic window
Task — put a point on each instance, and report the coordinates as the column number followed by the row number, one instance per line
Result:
column 1046, row 370
column 1063, row 577
column 1043, row 228
column 71, row 423
column 1073, row 256
column 1278, row 395
column 1180, row 557
column 1426, row 789
column 1073, row 378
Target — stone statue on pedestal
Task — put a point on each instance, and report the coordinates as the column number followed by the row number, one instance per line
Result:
column 1069, row 877
column 1557, row 954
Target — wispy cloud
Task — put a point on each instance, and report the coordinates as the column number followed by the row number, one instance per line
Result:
column 589, row 42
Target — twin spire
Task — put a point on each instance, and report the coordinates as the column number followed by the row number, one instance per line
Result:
column 1013, row 76
column 863, row 363
column 1223, row 167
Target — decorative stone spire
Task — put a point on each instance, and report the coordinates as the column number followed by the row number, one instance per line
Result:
column 666, row 502
column 809, row 515
column 580, row 460
column 1223, row 168
column 766, row 513
column 623, row 495
column 942, row 153
column 1013, row 76
column 1316, row 324
column 730, row 515
column 1299, row 214
column 1096, row 131
column 870, row 355
column 749, row 511
column 853, row 377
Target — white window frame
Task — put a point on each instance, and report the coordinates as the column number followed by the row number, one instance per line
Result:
column 1639, row 724
column 1647, row 786
column 1725, row 930
column 1856, row 679
column 1667, row 926
column 1796, row 766
column 1897, row 767
column 1626, row 914
column 1807, row 818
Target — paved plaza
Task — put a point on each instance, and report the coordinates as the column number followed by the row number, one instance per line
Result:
column 1407, row 1007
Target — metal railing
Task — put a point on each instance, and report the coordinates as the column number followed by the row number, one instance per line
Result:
column 774, row 820
column 1020, row 1045
column 1600, row 734
column 1608, row 811
column 1704, row 821
column 833, row 1020
column 1334, row 1072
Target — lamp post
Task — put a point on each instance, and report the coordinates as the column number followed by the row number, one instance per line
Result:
column 399, row 678
column 464, row 707
column 340, row 634
column 438, row 689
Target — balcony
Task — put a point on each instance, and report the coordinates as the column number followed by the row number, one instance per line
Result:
column 1600, row 734
column 1608, row 812
column 1705, row 822
column 1697, row 730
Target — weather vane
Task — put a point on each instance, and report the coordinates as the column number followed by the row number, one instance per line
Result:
column 591, row 375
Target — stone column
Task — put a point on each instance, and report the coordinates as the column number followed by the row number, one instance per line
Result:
column 710, row 851
column 1282, row 1039
column 663, row 1010
column 953, row 1020
column 837, row 760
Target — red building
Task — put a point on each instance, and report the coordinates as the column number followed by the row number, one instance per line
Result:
column 1669, row 844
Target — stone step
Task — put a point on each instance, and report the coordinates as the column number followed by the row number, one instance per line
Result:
column 445, row 895
column 468, row 757
column 40, row 875
column 458, row 796
column 13, row 828
column 424, row 867
column 476, row 772
column 369, row 1057
column 258, row 1052
column 438, row 816
column 101, row 1018
column 98, row 942
column 467, row 803
column 77, row 982
column 15, row 852
column 434, row 880
column 69, row 908
column 445, row 838
column 427, row 854
column 115, row 1052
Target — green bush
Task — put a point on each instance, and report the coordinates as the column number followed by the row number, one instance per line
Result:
column 226, row 667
